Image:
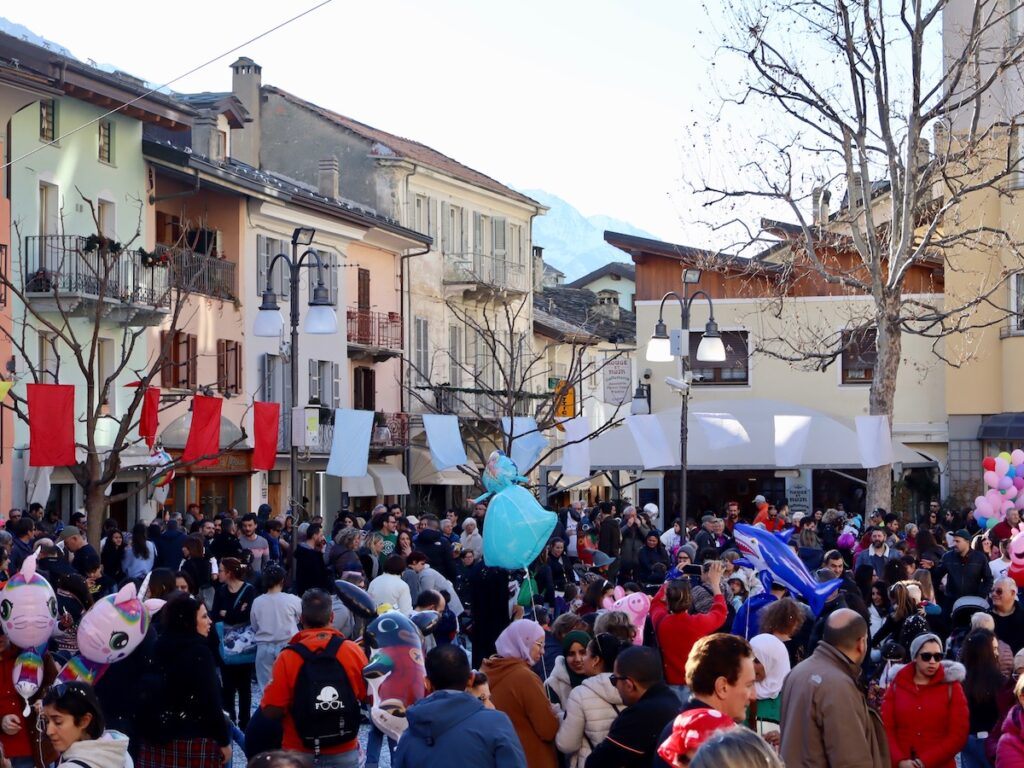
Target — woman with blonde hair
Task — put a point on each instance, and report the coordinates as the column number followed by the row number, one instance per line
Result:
column 736, row 748
column 616, row 623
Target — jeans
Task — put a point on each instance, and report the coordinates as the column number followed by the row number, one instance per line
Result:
column 237, row 678
column 348, row 759
column 973, row 754
column 266, row 654
column 374, row 742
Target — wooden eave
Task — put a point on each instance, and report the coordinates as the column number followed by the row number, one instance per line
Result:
column 108, row 95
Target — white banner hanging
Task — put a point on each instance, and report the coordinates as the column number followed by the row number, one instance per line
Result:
column 652, row 442
column 576, row 455
column 722, row 430
column 445, row 441
column 527, row 442
column 874, row 439
column 791, row 433
column 350, row 449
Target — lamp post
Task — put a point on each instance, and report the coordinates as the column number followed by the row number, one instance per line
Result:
column 320, row 319
column 659, row 350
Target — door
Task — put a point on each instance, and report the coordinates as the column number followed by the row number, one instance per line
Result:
column 215, row 495
column 119, row 509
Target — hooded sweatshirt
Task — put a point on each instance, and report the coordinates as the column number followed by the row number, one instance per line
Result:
column 108, row 751
column 592, row 707
column 449, row 723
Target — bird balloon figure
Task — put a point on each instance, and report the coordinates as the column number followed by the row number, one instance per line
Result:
column 28, row 611
column 516, row 527
column 109, row 631
column 1016, row 551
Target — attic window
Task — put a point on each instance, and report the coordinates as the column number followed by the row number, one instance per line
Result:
column 608, row 298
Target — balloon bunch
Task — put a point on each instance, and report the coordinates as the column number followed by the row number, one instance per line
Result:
column 1004, row 479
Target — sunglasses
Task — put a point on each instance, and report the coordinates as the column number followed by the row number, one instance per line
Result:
column 616, row 679
column 930, row 656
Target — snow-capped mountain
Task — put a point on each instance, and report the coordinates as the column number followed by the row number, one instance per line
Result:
column 572, row 242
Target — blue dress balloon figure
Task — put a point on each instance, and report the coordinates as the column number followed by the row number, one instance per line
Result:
column 516, row 527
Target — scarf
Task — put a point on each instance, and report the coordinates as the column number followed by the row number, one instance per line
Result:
column 571, row 639
column 517, row 640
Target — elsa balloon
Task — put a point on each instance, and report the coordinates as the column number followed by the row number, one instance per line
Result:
column 516, row 527
column 109, row 631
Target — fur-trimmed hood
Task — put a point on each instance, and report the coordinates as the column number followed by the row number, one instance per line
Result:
column 952, row 672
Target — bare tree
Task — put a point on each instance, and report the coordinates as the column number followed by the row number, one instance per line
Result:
column 848, row 92
column 505, row 376
column 76, row 289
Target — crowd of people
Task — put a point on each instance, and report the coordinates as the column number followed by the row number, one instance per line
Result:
column 915, row 661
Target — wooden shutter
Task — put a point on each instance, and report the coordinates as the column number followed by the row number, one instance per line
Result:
column 262, row 263
column 478, row 233
column 222, row 365
column 431, row 220
column 284, row 291
column 446, row 228
column 498, row 237
column 364, row 289
column 314, row 380
column 370, row 389
column 192, row 359
column 332, row 281
column 236, row 367
column 455, row 355
column 167, row 365
column 267, row 377
column 336, row 381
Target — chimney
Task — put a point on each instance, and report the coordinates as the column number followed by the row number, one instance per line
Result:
column 855, row 191
column 816, row 204
column 246, row 80
column 327, row 178
column 538, row 267
column 923, row 153
column 205, row 139
column 823, row 211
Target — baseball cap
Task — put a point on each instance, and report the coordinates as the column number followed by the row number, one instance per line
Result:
column 962, row 534
column 651, row 509
column 759, row 499
column 412, row 520
column 68, row 533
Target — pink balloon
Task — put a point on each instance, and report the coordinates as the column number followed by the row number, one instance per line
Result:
column 994, row 498
column 991, row 479
column 1007, row 506
column 1005, row 482
column 1018, row 503
column 982, row 506
column 1017, row 457
column 1001, row 466
column 1018, row 481
column 1011, row 492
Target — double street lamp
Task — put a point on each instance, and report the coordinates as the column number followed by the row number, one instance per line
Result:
column 321, row 319
column 711, row 349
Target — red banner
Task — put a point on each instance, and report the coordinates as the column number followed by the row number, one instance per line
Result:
column 149, row 419
column 51, row 425
column 204, row 434
column 266, row 418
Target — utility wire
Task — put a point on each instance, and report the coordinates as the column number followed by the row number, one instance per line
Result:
column 169, row 82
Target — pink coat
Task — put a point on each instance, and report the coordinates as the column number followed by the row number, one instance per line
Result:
column 1010, row 752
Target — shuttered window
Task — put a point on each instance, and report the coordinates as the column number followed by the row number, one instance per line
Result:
column 421, row 350
column 329, row 262
column 179, row 368
column 229, row 366
column 364, row 289
column 734, row 370
column 267, row 248
column 456, row 353
column 498, row 237
column 860, row 354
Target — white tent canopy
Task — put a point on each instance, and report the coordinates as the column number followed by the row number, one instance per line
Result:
column 831, row 443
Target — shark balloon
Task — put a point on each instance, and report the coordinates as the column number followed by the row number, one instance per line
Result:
column 768, row 553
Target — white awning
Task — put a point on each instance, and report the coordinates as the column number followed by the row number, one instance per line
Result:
column 389, row 480
column 359, row 486
column 831, row 443
column 425, row 473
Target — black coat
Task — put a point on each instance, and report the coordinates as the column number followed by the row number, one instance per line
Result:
column 963, row 577
column 311, row 571
column 186, row 702
column 438, row 551
column 633, row 737
column 118, row 688
column 168, row 548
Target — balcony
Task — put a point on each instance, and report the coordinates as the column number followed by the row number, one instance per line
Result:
column 390, row 433
column 198, row 273
column 484, row 275
column 375, row 336
column 70, row 274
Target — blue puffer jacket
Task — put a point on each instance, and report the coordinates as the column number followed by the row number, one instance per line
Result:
column 450, row 727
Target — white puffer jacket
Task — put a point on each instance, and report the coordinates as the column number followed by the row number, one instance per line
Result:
column 589, row 713
column 558, row 681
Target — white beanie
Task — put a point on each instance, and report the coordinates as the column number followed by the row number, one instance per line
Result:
column 920, row 640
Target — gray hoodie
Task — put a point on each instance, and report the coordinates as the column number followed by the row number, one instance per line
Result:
column 108, row 751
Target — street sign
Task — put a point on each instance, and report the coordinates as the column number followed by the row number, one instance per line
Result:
column 618, row 380
column 565, row 401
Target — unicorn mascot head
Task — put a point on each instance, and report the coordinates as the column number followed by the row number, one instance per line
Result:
column 28, row 611
column 109, row 631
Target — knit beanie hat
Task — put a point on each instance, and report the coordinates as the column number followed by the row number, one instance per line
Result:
column 920, row 640
column 691, row 549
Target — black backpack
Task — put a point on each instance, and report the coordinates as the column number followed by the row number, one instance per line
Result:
column 324, row 706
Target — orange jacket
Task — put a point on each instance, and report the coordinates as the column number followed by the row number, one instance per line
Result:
column 281, row 688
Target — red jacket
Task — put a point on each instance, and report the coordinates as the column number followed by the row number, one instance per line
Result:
column 677, row 632
column 930, row 721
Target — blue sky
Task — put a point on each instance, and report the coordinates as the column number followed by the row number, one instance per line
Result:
column 591, row 101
